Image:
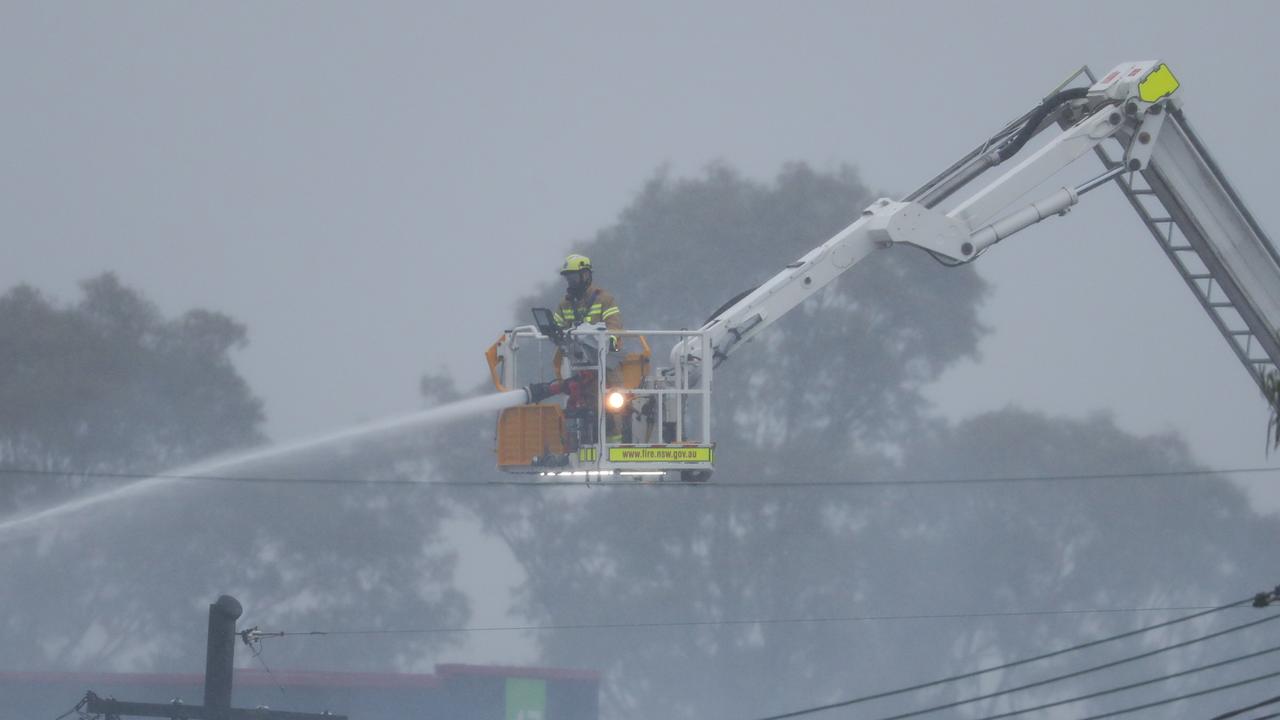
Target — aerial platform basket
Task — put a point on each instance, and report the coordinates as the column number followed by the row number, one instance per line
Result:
column 619, row 418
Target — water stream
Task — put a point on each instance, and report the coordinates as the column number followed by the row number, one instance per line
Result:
column 444, row 413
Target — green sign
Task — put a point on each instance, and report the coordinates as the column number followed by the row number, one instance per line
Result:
column 526, row 699
column 660, row 453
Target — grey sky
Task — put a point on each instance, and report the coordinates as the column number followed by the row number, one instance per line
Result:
column 370, row 186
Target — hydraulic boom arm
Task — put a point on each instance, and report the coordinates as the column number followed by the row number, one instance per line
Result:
column 1162, row 168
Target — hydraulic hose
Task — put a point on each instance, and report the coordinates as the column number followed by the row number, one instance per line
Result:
column 1037, row 116
column 730, row 303
column 981, row 160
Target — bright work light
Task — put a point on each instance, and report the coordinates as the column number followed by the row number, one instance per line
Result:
column 615, row 400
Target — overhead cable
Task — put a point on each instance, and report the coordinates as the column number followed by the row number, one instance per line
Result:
column 1104, row 666
column 1131, row 686
column 546, row 482
column 1188, row 696
column 1244, row 710
column 254, row 634
column 1004, row 666
column 78, row 706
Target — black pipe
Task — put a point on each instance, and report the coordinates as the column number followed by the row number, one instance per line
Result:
column 220, row 658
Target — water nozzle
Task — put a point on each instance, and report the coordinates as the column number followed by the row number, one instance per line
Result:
column 538, row 392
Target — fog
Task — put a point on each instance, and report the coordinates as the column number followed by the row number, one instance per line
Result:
column 317, row 216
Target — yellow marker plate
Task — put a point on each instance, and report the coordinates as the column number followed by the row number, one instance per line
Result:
column 1157, row 84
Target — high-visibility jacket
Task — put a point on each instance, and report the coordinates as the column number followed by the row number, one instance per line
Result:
column 594, row 306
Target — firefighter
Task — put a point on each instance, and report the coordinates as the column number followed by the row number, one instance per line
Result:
column 584, row 302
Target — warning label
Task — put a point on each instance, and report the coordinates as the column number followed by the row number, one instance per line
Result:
column 661, row 453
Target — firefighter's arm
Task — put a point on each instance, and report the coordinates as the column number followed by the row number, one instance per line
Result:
column 612, row 317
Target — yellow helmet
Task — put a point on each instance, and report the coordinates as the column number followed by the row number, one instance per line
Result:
column 574, row 263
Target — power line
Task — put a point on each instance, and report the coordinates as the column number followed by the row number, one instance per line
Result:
column 1188, row 696
column 1096, row 668
column 547, row 482
column 1131, row 686
column 255, row 634
column 1243, row 710
column 79, row 706
column 255, row 648
column 1004, row 666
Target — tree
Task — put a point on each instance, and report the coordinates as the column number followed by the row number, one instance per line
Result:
column 111, row 386
column 832, row 394
column 834, row 385
column 1062, row 526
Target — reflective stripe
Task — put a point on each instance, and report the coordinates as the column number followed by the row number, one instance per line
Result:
column 595, row 312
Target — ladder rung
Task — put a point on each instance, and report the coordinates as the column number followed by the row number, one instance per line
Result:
column 1180, row 248
column 1200, row 276
column 1142, row 192
column 1161, row 219
column 1220, row 304
column 1241, row 333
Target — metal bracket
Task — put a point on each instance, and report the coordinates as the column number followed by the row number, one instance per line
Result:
column 1138, row 155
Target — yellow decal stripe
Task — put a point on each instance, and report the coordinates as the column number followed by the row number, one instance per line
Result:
column 1157, row 84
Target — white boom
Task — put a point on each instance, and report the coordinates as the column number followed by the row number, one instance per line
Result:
column 1162, row 168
